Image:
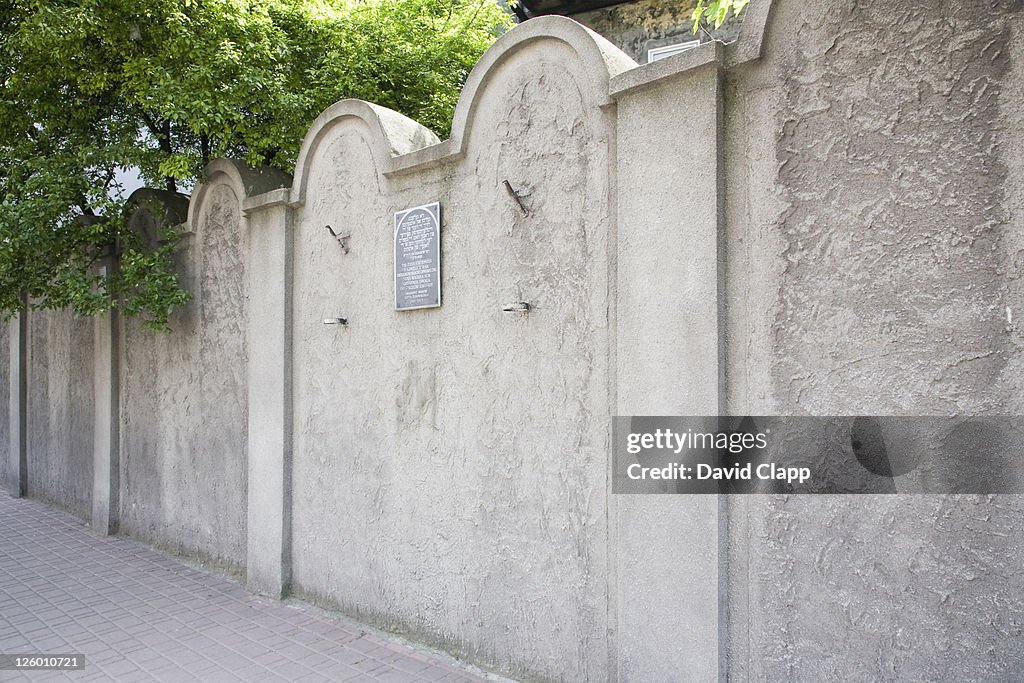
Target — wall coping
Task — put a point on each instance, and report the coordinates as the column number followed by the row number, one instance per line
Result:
column 402, row 146
column 246, row 181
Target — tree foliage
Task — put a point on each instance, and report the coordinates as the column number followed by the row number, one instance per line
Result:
column 88, row 87
column 715, row 12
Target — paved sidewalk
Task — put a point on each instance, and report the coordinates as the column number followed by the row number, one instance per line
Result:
column 139, row 615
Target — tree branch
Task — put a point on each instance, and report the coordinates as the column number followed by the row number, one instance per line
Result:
column 165, row 145
column 83, row 204
column 151, row 124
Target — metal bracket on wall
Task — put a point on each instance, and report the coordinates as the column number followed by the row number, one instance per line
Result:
column 518, row 307
column 342, row 237
column 515, row 195
column 336, row 321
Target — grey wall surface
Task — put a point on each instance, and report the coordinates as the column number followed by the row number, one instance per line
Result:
column 449, row 463
column 60, row 397
column 184, row 401
column 822, row 218
column 886, row 207
column 667, row 260
column 5, row 399
column 874, row 247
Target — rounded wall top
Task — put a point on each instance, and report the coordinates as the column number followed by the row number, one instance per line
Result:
column 392, row 135
column 596, row 53
column 245, row 180
column 147, row 210
column 166, row 207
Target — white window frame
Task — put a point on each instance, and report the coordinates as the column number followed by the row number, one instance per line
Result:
column 654, row 54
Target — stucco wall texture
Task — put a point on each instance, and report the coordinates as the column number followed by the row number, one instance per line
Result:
column 874, row 189
column 59, row 427
column 183, row 401
column 5, row 400
column 467, row 434
column 823, row 218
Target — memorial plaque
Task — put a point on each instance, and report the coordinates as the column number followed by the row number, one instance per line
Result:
column 418, row 257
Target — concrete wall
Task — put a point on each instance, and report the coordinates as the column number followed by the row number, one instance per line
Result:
column 183, row 396
column 667, row 260
column 822, row 218
column 881, row 186
column 875, row 202
column 449, row 463
column 5, row 400
column 59, row 430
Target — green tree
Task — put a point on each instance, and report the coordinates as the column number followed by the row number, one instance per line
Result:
column 88, row 87
column 715, row 12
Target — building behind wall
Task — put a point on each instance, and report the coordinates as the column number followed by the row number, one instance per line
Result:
column 645, row 30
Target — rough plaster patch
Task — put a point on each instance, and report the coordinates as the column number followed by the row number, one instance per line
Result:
column 885, row 589
column 894, row 293
column 899, row 177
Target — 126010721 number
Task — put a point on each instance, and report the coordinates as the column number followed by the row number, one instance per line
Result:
column 36, row 662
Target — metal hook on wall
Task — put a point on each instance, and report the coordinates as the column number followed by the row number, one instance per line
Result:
column 342, row 237
column 519, row 200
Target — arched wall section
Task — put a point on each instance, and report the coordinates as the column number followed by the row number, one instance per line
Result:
column 184, row 395
column 449, row 464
